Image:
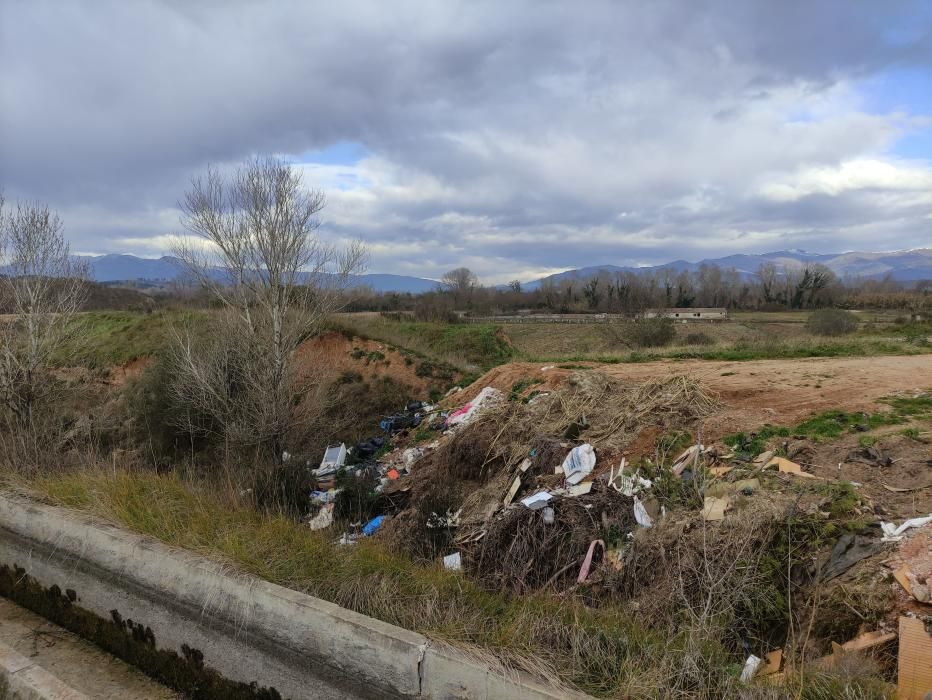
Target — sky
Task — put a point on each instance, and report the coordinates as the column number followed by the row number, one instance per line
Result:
column 515, row 138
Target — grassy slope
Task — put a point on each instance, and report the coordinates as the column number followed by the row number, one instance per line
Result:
column 595, row 649
column 465, row 346
column 480, row 346
column 110, row 338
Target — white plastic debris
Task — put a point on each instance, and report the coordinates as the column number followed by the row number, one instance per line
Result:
column 892, row 533
column 411, row 455
column 323, row 519
column 640, row 514
column 579, row 463
column 537, row 501
column 486, row 397
column 549, row 515
column 454, row 562
column 750, row 668
column 580, row 489
column 334, row 458
column 628, row 484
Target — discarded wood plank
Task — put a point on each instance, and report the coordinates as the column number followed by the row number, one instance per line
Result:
column 510, row 496
column 714, row 508
column 788, row 467
column 868, row 640
column 914, row 664
column 902, row 577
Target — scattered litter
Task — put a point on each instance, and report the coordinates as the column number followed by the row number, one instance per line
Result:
column 914, row 665
column 764, row 457
column 627, row 484
column 575, row 429
column 641, row 515
column 714, row 508
column 510, row 496
column 454, row 561
column 373, row 525
column 580, row 489
column 464, row 415
column 579, row 463
column 587, row 562
column 411, row 455
column 902, row 577
column 334, row 458
column 750, row 668
column 324, row 518
column 719, row 471
column 746, row 487
column 537, row 501
column 324, row 497
column 393, row 474
column 549, row 515
column 548, row 367
column 848, row 551
column 772, row 663
column 448, row 521
column 788, row 467
column 400, row 421
column 892, row 533
column 689, row 456
column 867, row 640
column 869, row 455
column 525, row 465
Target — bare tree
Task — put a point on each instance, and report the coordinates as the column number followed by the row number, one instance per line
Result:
column 42, row 288
column 459, row 281
column 256, row 250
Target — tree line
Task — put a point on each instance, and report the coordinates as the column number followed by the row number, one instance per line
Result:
column 770, row 288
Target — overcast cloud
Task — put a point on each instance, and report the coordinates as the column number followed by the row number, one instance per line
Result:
column 514, row 138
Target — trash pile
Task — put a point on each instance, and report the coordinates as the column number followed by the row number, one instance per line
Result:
column 366, row 458
column 539, row 495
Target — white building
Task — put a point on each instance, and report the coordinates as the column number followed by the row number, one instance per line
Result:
column 688, row 314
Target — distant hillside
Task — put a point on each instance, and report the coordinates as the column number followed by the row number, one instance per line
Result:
column 904, row 266
column 129, row 268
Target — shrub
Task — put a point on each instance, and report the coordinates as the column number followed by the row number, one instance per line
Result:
column 699, row 338
column 652, row 332
column 832, row 322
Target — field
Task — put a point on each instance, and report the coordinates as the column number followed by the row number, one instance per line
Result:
column 750, row 335
column 688, row 597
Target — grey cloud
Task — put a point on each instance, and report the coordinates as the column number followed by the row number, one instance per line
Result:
column 522, row 122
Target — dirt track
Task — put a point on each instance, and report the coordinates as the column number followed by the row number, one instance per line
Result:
column 754, row 392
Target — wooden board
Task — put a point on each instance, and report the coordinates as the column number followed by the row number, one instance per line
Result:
column 914, row 667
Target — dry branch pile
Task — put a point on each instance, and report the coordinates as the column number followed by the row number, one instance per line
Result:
column 518, row 551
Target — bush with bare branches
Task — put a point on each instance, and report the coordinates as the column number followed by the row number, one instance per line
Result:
column 42, row 290
column 254, row 247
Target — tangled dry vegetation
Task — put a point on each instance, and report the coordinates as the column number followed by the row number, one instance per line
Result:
column 711, row 592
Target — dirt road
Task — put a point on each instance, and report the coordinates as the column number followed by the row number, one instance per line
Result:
column 755, row 392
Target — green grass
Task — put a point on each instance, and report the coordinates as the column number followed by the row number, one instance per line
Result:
column 833, row 424
column 110, row 338
column 464, row 346
column 597, row 650
column 749, row 351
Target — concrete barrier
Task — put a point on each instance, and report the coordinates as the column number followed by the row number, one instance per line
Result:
column 21, row 679
column 247, row 629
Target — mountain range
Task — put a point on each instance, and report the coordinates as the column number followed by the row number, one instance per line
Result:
column 904, row 266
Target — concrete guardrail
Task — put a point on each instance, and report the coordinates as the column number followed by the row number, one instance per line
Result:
column 248, row 629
